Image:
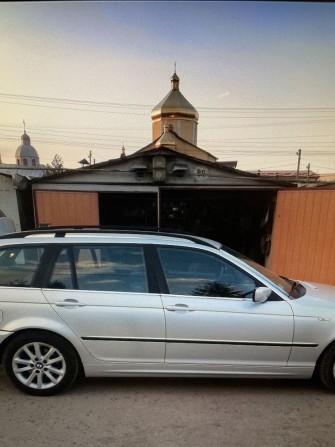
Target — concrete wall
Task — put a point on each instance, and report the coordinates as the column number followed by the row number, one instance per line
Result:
column 8, row 200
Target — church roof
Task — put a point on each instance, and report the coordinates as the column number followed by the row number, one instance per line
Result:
column 174, row 102
column 171, row 139
column 26, row 149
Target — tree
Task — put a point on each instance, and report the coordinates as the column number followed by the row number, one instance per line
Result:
column 56, row 166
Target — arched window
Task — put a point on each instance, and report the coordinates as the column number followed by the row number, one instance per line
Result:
column 25, row 163
column 33, row 161
column 18, row 162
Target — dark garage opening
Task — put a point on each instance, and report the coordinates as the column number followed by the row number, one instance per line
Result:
column 128, row 209
column 238, row 219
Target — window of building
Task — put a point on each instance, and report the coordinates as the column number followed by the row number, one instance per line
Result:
column 25, row 162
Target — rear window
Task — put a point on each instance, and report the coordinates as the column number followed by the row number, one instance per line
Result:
column 113, row 268
column 18, row 265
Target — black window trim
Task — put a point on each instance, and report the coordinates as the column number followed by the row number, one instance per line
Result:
column 148, row 263
column 46, row 264
column 155, row 269
column 41, row 267
column 273, row 297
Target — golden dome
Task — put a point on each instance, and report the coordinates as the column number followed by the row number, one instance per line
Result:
column 174, row 103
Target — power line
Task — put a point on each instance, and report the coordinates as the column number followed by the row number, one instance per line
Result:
column 135, row 105
column 73, row 101
column 146, row 129
column 75, row 109
column 93, row 139
column 238, row 126
column 257, row 149
column 242, row 141
column 208, row 117
column 257, row 146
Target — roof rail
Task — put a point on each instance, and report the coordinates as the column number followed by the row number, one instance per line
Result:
column 63, row 231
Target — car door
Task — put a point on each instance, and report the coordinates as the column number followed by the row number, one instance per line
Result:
column 21, row 300
column 211, row 318
column 103, row 294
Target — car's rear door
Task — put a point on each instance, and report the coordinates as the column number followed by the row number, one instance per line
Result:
column 104, row 295
column 21, row 300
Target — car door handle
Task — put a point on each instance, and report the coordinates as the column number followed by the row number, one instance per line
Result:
column 69, row 303
column 180, row 307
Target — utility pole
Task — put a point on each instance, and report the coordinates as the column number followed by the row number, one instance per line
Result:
column 308, row 169
column 299, row 158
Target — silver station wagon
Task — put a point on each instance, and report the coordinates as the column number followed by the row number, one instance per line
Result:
column 117, row 303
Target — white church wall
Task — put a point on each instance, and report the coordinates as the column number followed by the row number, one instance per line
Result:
column 8, row 200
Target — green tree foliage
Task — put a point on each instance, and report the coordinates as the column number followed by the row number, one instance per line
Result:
column 56, row 166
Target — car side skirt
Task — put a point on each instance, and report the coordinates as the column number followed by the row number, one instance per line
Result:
column 184, row 370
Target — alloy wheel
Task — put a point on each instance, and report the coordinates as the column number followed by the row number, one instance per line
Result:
column 38, row 365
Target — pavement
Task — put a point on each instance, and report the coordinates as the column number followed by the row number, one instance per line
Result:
column 169, row 412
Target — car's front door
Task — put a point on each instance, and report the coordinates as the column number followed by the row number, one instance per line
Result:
column 211, row 318
column 102, row 294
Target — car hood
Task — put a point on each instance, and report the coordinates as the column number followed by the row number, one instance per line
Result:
column 322, row 291
column 319, row 300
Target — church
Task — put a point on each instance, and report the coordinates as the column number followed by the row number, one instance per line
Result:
column 27, row 166
column 27, row 160
column 170, row 184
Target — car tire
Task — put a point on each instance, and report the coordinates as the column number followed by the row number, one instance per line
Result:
column 326, row 371
column 41, row 363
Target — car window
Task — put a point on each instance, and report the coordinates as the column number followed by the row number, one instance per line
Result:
column 18, row 265
column 282, row 283
column 194, row 272
column 106, row 268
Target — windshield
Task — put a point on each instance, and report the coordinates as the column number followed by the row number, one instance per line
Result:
column 289, row 287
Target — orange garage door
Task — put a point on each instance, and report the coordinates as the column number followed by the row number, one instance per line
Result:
column 303, row 239
column 66, row 208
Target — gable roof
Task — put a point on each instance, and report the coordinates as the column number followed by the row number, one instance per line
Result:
column 243, row 178
column 185, row 147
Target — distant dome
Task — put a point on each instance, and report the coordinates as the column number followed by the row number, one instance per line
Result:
column 25, row 150
column 26, row 154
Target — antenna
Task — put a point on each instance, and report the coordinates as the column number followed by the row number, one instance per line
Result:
column 24, row 126
column 299, row 158
column 175, row 67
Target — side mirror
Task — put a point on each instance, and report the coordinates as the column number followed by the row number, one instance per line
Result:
column 261, row 294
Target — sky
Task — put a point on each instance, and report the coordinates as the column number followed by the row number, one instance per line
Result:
column 84, row 77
